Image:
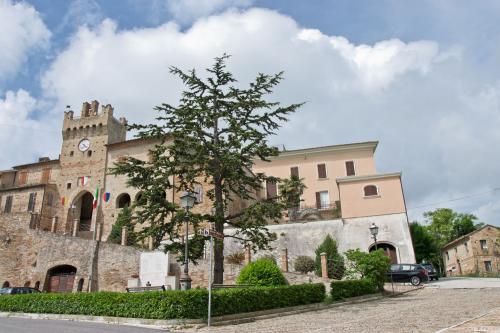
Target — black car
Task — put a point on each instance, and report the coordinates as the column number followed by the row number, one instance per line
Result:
column 433, row 275
column 413, row 273
column 18, row 290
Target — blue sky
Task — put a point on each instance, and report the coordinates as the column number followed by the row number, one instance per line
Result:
column 421, row 76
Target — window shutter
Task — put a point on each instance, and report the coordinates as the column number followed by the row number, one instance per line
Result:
column 370, row 190
column 318, row 200
column 321, row 170
column 32, row 202
column 8, row 204
column 349, row 166
column 271, row 190
column 23, row 177
column 45, row 176
column 294, row 171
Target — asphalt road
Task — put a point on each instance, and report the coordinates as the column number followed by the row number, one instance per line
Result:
column 19, row 325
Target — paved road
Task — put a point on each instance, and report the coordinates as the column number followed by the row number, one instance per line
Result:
column 18, row 325
column 425, row 310
column 465, row 283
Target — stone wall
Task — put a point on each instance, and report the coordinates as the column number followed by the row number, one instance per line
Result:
column 28, row 255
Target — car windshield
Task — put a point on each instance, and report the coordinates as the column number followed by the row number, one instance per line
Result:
column 4, row 291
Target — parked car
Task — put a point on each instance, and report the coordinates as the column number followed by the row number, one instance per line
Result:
column 431, row 271
column 18, row 290
column 413, row 273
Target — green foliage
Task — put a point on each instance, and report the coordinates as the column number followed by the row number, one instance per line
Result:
column 372, row 266
column 261, row 272
column 214, row 135
column 351, row 288
column 304, row 264
column 166, row 305
column 446, row 225
column 425, row 245
column 335, row 263
column 124, row 219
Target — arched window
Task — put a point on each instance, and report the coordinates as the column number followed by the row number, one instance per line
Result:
column 123, row 200
column 6, row 284
column 370, row 190
column 80, row 285
column 140, row 199
column 37, row 285
column 198, row 192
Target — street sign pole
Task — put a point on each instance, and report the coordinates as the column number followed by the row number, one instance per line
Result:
column 210, row 282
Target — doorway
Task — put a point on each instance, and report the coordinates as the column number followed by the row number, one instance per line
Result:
column 61, row 279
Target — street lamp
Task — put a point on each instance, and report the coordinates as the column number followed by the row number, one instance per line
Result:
column 188, row 199
column 374, row 232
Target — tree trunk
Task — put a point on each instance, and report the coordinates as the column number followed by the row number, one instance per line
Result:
column 219, row 226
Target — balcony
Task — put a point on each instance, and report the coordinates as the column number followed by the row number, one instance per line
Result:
column 304, row 213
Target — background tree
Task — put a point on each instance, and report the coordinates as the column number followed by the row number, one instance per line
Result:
column 124, row 219
column 335, row 261
column 425, row 245
column 217, row 130
column 446, row 225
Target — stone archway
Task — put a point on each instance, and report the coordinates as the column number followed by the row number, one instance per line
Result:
column 81, row 210
column 389, row 250
column 60, row 279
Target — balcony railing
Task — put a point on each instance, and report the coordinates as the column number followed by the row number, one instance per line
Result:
column 315, row 212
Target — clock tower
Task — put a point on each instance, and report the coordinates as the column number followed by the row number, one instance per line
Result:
column 83, row 162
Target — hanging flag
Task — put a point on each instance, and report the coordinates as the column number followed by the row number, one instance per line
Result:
column 96, row 197
column 85, row 180
column 107, row 196
column 63, row 199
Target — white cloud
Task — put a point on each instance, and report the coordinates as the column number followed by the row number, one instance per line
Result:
column 425, row 105
column 24, row 138
column 22, row 29
column 188, row 10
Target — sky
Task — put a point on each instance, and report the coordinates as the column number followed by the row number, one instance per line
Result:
column 421, row 77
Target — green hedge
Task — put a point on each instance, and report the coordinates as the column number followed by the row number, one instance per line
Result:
column 168, row 304
column 352, row 288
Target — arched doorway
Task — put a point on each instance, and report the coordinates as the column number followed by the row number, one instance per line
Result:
column 123, row 200
column 86, row 208
column 6, row 284
column 389, row 250
column 61, row 279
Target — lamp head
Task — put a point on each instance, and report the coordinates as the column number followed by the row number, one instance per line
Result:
column 188, row 199
column 373, row 229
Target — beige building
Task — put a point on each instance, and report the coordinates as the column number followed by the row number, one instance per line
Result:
column 76, row 196
column 477, row 253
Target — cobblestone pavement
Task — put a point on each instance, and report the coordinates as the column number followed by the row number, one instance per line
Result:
column 423, row 310
column 489, row 323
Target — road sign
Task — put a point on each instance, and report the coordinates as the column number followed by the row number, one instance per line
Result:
column 212, row 233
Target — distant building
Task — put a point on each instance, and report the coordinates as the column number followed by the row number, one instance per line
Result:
column 475, row 253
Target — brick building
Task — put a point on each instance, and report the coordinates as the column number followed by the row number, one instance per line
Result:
column 477, row 253
column 76, row 196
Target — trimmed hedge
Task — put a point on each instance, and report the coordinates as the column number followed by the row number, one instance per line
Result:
column 351, row 288
column 191, row 304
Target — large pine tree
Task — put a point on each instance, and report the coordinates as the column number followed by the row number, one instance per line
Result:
column 215, row 133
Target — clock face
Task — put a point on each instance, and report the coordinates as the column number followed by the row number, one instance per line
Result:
column 84, row 145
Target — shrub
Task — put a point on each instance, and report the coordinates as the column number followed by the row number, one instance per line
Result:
column 172, row 304
column 372, row 266
column 304, row 264
column 269, row 257
column 261, row 272
column 236, row 258
column 351, row 288
column 335, row 263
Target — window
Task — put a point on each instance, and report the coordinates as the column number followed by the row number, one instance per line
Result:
column 483, row 243
column 271, row 189
column 455, row 250
column 23, row 176
column 349, row 168
column 32, row 202
column 68, row 186
column 466, row 247
column 487, row 266
column 89, row 153
column 71, row 153
column 198, row 192
column 294, row 171
column 371, row 190
column 322, row 200
column 123, row 200
column 8, row 204
column 447, row 256
column 322, row 171
column 45, row 176
column 50, row 199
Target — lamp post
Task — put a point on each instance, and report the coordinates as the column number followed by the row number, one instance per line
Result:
column 188, row 200
column 374, row 232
